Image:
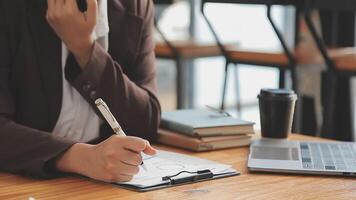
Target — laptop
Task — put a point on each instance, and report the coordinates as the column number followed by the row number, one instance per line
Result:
column 304, row 157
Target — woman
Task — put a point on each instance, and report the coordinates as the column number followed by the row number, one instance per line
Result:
column 55, row 61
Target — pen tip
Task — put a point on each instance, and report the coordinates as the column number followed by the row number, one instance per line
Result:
column 143, row 166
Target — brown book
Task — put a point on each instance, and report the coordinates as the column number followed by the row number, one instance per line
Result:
column 202, row 144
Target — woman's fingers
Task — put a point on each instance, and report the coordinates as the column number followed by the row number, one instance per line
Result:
column 131, row 158
column 59, row 4
column 124, row 178
column 92, row 11
column 128, row 169
column 54, row 8
column 149, row 150
column 51, row 4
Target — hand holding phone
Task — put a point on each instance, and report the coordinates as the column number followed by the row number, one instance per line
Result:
column 74, row 27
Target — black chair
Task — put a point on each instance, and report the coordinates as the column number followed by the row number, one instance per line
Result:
column 283, row 60
column 339, row 61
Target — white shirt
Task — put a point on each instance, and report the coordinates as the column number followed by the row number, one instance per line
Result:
column 77, row 120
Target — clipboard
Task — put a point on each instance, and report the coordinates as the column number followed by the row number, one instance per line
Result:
column 192, row 170
column 163, row 186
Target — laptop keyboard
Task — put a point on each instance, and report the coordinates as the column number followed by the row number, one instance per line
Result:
column 328, row 156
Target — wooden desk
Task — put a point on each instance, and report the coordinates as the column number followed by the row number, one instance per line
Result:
column 247, row 186
column 272, row 58
column 189, row 49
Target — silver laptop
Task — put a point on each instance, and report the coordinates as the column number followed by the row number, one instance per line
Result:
column 329, row 158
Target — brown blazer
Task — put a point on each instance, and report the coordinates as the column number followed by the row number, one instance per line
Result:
column 31, row 81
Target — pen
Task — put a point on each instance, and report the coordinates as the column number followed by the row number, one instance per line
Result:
column 110, row 118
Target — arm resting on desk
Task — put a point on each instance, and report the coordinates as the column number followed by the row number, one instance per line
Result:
column 25, row 150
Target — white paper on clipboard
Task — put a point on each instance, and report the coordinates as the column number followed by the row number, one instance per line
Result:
column 168, row 164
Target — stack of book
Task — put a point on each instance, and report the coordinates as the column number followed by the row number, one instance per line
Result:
column 203, row 130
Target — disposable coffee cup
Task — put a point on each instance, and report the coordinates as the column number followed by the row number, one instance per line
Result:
column 276, row 112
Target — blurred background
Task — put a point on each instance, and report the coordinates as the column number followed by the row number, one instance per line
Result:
column 247, row 27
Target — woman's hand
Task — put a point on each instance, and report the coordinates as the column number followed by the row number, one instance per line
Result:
column 115, row 160
column 74, row 27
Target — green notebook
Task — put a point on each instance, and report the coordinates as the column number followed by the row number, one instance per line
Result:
column 203, row 123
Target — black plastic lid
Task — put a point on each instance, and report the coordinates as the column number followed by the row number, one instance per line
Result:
column 280, row 94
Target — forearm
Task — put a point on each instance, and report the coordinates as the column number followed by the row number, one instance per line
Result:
column 113, row 160
column 27, row 150
column 135, row 106
column 142, row 111
column 82, row 52
column 71, row 161
column 74, row 27
column 132, row 101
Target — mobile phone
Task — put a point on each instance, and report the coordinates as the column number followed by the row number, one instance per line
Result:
column 82, row 5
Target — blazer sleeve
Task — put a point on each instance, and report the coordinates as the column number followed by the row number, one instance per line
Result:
column 133, row 100
column 22, row 149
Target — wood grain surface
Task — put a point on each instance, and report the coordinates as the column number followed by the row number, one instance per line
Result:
column 246, row 55
column 247, row 186
column 189, row 49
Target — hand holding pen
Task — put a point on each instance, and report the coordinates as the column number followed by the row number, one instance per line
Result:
column 117, row 159
column 114, row 124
